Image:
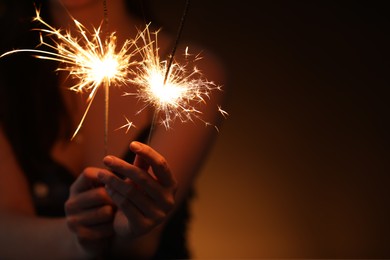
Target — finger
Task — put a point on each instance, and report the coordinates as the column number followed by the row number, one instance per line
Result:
column 92, row 217
column 158, row 163
column 87, row 199
column 131, row 224
column 141, row 163
column 132, row 213
column 88, row 234
column 127, row 190
column 87, row 180
column 143, row 179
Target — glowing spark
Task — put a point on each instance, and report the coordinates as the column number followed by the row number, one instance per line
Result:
column 223, row 112
column 87, row 58
column 177, row 96
column 128, row 125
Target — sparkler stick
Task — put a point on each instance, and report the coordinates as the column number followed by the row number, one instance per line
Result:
column 106, row 110
column 106, row 85
column 155, row 113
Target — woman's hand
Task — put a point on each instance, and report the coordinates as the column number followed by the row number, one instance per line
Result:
column 144, row 198
column 90, row 212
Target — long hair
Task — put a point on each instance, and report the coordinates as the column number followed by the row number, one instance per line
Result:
column 32, row 109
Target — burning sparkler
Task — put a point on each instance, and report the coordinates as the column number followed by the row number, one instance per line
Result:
column 171, row 88
column 176, row 94
column 86, row 57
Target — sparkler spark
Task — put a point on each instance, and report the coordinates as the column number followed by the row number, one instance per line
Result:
column 128, row 125
column 174, row 94
column 93, row 62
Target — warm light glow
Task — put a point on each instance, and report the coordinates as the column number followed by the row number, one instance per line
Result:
column 92, row 61
column 104, row 69
column 183, row 90
column 166, row 95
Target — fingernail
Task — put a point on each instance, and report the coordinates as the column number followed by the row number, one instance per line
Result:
column 100, row 175
column 108, row 160
column 135, row 146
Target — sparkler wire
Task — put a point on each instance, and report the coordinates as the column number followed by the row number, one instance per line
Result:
column 177, row 40
column 179, row 32
column 106, row 84
column 105, row 14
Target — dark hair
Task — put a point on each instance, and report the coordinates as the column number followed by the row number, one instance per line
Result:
column 32, row 107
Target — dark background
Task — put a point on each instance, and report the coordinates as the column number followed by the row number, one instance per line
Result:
column 301, row 166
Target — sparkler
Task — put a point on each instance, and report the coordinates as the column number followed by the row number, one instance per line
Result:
column 170, row 88
column 177, row 95
column 86, row 57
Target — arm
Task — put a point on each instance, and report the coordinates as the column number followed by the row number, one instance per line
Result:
column 28, row 237
column 186, row 145
column 23, row 234
column 185, row 148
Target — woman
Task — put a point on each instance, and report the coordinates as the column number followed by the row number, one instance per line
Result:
column 61, row 198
